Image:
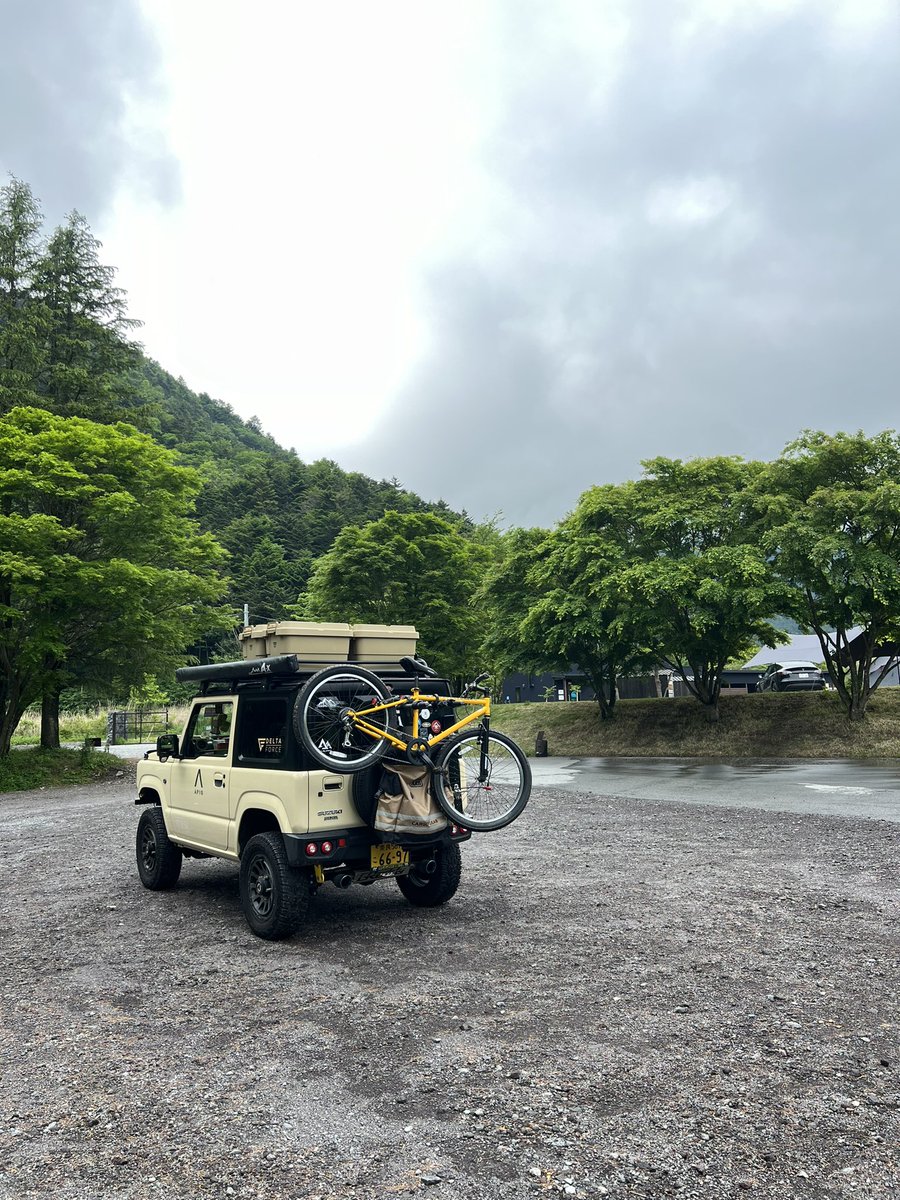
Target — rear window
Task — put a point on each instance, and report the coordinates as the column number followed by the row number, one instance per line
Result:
column 262, row 737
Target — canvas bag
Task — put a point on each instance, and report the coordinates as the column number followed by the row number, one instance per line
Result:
column 405, row 802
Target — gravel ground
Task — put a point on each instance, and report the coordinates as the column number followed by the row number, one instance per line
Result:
column 625, row 999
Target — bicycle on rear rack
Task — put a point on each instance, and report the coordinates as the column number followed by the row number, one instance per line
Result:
column 348, row 719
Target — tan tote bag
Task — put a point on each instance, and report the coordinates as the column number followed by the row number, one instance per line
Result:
column 405, row 802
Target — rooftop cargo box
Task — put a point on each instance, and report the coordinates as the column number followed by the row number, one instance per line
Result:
column 253, row 641
column 382, row 645
column 315, row 643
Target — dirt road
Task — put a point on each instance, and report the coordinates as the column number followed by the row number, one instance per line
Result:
column 625, row 999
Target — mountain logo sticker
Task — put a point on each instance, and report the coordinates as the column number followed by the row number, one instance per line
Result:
column 198, row 782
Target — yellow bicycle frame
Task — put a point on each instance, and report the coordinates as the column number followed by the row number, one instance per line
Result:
column 482, row 706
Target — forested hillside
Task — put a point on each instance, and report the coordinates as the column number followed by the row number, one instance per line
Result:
column 138, row 518
column 272, row 511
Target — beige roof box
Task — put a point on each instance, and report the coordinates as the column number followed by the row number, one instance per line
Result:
column 316, row 643
column 382, row 645
column 253, row 641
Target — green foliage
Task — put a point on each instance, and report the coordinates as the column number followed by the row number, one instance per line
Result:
column 698, row 572
column 65, row 346
column 23, row 323
column 103, row 575
column 662, row 568
column 831, row 516
column 554, row 600
column 405, row 569
column 86, row 350
column 27, row 769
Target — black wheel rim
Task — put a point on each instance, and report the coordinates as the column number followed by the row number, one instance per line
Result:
column 149, row 853
column 260, row 886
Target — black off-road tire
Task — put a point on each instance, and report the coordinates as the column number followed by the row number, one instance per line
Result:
column 274, row 897
column 158, row 859
column 430, row 891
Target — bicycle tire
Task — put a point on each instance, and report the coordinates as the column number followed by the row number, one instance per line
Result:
column 321, row 726
column 481, row 805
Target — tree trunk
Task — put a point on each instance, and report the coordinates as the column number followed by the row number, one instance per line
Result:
column 12, row 715
column 50, row 719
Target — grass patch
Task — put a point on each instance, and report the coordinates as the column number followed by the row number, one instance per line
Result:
column 23, row 770
column 766, row 725
column 73, row 727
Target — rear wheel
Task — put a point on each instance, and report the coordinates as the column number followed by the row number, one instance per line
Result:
column 273, row 896
column 158, row 859
column 325, row 726
column 431, row 890
column 482, row 781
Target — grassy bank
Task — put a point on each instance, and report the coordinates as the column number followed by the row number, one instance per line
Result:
column 811, row 725
column 22, row 770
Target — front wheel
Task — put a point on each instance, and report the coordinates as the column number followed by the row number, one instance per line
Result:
column 325, row 725
column 482, row 781
column 158, row 859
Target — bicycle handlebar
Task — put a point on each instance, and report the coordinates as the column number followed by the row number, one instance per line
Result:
column 476, row 683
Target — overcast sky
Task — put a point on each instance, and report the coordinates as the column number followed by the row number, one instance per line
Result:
column 500, row 250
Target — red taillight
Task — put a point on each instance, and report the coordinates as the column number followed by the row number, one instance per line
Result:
column 311, row 848
column 327, row 847
column 342, row 842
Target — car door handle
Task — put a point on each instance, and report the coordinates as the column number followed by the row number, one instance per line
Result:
column 219, row 780
column 332, row 785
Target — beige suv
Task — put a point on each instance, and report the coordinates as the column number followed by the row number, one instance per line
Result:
column 236, row 784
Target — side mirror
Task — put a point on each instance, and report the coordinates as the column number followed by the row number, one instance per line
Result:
column 167, row 746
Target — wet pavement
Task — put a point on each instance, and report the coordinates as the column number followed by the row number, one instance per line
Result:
column 852, row 788
column 837, row 787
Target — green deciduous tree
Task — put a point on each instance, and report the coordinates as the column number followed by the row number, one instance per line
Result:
column 103, row 574
column 698, row 569
column 406, row 569
column 831, row 507
column 555, row 600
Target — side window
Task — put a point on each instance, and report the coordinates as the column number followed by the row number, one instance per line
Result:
column 209, row 733
column 262, row 739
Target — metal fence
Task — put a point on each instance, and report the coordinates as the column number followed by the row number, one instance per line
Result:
column 136, row 725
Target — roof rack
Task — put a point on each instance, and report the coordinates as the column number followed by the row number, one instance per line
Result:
column 282, row 667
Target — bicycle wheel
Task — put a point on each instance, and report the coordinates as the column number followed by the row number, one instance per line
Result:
column 482, row 781
column 324, row 726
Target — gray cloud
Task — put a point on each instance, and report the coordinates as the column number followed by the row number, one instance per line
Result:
column 698, row 255
column 69, row 70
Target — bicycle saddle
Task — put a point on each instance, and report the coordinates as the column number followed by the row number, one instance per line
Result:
column 418, row 667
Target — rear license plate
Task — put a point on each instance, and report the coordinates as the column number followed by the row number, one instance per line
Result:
column 805, row 675
column 386, row 857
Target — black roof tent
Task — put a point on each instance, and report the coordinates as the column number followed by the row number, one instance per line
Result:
column 248, row 668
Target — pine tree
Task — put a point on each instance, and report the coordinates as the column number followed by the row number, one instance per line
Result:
column 23, row 319
column 88, row 347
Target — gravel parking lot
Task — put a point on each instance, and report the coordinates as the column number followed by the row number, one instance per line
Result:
column 625, row 999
